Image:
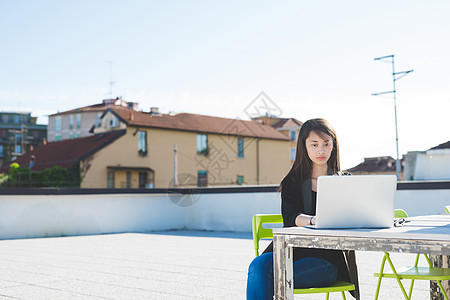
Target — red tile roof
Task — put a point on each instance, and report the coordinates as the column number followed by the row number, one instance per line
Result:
column 198, row 123
column 67, row 153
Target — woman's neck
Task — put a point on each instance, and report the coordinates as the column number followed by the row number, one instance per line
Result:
column 319, row 171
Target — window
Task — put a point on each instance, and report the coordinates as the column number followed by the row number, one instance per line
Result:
column 240, row 150
column 142, row 143
column 16, row 119
column 114, row 122
column 58, row 123
column 150, row 184
column 202, row 144
column 78, row 134
column 71, row 135
column 110, row 179
column 293, row 153
column 25, row 119
column 35, row 134
column 18, row 149
column 18, row 143
column 5, row 118
column 78, row 121
column 1, row 150
column 202, row 178
column 240, row 179
column 293, row 135
column 57, row 137
column 71, row 122
column 128, row 179
column 18, row 139
column 1, row 133
column 98, row 121
column 142, row 180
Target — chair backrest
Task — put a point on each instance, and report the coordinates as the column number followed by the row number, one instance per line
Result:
column 259, row 232
column 447, row 209
column 400, row 213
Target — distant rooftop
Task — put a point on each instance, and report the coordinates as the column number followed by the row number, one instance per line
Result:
column 379, row 164
column 99, row 107
column 287, row 123
column 445, row 145
column 278, row 123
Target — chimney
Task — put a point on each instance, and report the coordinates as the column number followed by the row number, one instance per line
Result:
column 154, row 111
column 132, row 105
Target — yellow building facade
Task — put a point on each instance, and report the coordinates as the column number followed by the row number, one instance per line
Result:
column 185, row 150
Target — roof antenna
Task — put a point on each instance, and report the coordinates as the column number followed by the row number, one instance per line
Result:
column 395, row 76
column 111, row 82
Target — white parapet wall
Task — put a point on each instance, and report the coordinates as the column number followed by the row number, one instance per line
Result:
column 230, row 212
column 30, row 216
column 64, row 215
column 422, row 202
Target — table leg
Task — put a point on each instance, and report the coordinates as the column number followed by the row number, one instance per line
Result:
column 439, row 261
column 283, row 269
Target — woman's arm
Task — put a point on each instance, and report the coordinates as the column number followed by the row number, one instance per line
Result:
column 292, row 206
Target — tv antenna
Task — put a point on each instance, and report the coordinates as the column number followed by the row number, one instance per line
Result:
column 111, row 82
column 395, row 76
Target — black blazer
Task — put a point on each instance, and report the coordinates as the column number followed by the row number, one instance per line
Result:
column 295, row 200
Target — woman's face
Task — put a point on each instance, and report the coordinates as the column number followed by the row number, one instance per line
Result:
column 319, row 149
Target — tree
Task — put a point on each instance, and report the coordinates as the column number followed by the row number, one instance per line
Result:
column 51, row 177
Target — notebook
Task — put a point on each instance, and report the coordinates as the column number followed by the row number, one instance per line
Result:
column 364, row 201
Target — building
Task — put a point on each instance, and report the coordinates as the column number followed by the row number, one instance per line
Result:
column 432, row 164
column 72, row 154
column 79, row 122
column 133, row 149
column 19, row 134
column 190, row 150
column 288, row 126
column 381, row 165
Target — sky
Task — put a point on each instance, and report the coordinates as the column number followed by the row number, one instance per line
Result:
column 311, row 58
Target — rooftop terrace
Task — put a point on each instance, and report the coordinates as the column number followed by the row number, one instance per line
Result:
column 158, row 244
column 158, row 265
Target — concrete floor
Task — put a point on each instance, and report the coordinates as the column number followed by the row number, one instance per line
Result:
column 158, row 265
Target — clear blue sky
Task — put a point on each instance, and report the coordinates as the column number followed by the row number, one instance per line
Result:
column 312, row 58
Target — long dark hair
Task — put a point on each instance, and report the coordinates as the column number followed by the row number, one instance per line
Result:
column 302, row 166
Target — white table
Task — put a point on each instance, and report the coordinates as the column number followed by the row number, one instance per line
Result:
column 424, row 234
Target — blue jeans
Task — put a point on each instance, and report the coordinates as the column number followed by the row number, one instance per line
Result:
column 308, row 272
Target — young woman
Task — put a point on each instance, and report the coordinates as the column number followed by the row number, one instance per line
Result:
column 317, row 155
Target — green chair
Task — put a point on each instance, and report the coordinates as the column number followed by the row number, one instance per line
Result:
column 413, row 273
column 447, row 209
column 400, row 213
column 259, row 232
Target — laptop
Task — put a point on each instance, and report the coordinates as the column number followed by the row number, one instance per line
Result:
column 358, row 201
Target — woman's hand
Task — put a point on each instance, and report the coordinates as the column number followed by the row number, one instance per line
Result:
column 305, row 220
